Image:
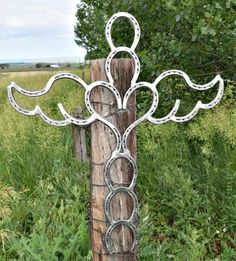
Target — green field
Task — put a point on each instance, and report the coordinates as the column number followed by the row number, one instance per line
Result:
column 186, row 183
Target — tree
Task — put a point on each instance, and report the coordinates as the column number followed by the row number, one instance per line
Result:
column 195, row 36
column 38, row 65
column 4, row 66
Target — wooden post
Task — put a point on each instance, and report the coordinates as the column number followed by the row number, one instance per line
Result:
column 102, row 144
column 79, row 140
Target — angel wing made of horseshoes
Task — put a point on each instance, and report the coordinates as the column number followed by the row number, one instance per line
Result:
column 121, row 149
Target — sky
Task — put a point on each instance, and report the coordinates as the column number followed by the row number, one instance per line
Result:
column 38, row 29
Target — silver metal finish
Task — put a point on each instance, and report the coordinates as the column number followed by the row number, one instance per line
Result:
column 121, row 150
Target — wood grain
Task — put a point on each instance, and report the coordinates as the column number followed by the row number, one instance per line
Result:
column 102, row 144
column 79, row 140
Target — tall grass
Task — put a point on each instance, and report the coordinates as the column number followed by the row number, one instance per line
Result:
column 48, row 219
column 187, row 188
column 186, row 183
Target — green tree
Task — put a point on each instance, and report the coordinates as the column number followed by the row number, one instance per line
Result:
column 195, row 36
column 4, row 66
column 38, row 65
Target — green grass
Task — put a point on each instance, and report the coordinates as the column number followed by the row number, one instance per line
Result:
column 48, row 219
column 186, row 183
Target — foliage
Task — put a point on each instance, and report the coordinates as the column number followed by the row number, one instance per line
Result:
column 186, row 188
column 38, row 65
column 4, row 66
column 186, row 183
column 43, row 212
column 187, row 173
column 195, row 36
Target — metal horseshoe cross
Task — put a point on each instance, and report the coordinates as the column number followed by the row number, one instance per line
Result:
column 121, row 150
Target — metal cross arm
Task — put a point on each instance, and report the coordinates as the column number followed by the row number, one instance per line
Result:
column 121, row 150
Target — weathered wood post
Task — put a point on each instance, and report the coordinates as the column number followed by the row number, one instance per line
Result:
column 111, row 172
column 103, row 143
column 79, row 140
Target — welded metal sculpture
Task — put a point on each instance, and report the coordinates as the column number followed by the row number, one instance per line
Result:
column 121, row 149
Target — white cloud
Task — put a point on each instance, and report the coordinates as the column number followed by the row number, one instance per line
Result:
column 26, row 14
column 39, row 22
